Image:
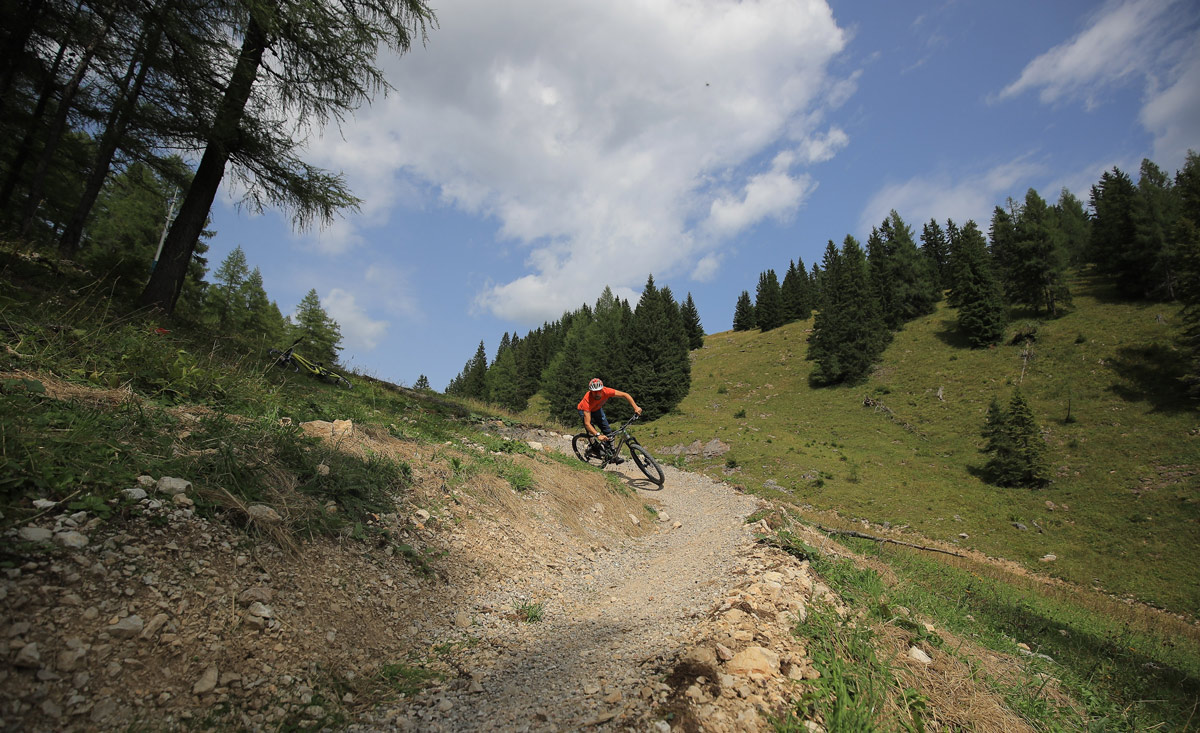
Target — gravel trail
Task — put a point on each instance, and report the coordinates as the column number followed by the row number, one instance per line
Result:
column 609, row 616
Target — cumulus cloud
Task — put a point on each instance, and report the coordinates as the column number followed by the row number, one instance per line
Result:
column 360, row 332
column 940, row 197
column 627, row 130
column 1154, row 43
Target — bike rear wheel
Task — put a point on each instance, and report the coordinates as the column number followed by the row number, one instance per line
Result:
column 646, row 462
column 587, row 450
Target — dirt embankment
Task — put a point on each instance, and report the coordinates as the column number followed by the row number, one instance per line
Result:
column 566, row 605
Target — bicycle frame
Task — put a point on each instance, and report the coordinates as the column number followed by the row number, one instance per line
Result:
column 290, row 358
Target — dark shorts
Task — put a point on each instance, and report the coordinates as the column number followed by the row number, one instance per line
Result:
column 598, row 420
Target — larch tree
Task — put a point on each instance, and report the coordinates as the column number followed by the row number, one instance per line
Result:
column 308, row 63
column 320, row 335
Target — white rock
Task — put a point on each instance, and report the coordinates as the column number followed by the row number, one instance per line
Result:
column 535, row 445
column 71, row 539
column 135, row 494
column 29, row 656
column 754, row 660
column 127, row 628
column 207, row 681
column 182, row 500
column 35, row 534
column 1048, row 558
column 919, row 655
column 636, row 522
column 263, row 513
column 146, row 482
column 44, row 503
column 322, row 469
column 173, row 486
column 260, row 610
column 342, row 428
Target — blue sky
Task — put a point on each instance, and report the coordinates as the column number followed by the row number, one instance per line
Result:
column 534, row 151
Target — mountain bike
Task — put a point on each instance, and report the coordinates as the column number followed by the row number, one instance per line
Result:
column 290, row 359
column 590, row 449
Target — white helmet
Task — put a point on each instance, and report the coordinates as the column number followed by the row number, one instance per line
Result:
column 595, row 385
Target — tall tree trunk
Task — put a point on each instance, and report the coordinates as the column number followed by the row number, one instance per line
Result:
column 25, row 148
column 166, row 281
column 116, row 123
column 57, row 127
column 14, row 48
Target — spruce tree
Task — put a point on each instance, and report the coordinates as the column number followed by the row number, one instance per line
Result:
column 422, row 384
column 904, row 279
column 1002, row 242
column 849, row 334
column 691, row 321
column 502, row 388
column 797, row 293
column 320, row 335
column 1075, row 226
column 566, row 377
column 1186, row 238
column 743, row 314
column 658, row 376
column 1151, row 256
column 976, row 292
column 264, row 323
column 473, row 381
column 1037, row 274
column 1113, row 228
column 936, row 249
column 1016, row 449
column 226, row 297
column 768, row 305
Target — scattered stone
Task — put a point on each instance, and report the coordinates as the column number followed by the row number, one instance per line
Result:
column 462, row 620
column 445, row 705
column 1051, row 505
column 41, row 504
column 263, row 513
column 919, row 655
column 535, row 445
column 342, row 428
column 724, row 653
column 207, row 681
column 127, row 628
column 260, row 610
column 28, row 657
column 74, row 540
column 754, row 660
column 146, row 482
column 636, row 522
column 35, row 534
column 154, row 626
column 715, row 447
column 135, row 494
column 322, row 469
column 258, row 593
column 68, row 659
column 1020, row 526
column 182, row 500
column 172, row 486
column 1048, row 558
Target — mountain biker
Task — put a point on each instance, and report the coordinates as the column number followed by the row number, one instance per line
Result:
column 591, row 407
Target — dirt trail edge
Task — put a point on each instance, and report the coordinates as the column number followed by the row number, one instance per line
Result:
column 606, row 624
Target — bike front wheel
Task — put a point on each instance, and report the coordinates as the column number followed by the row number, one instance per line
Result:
column 646, row 462
column 586, row 449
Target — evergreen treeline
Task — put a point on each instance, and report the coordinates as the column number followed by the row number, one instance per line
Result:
column 1143, row 235
column 642, row 350
column 95, row 97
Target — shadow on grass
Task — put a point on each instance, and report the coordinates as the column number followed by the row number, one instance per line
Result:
column 1151, row 374
column 950, row 335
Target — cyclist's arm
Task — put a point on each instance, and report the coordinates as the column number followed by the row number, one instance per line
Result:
column 629, row 397
column 587, row 425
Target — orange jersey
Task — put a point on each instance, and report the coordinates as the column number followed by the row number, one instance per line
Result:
column 593, row 401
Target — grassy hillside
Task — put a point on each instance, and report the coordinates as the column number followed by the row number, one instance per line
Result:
column 1122, row 513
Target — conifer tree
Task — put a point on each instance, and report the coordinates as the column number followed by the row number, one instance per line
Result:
column 691, row 321
column 904, row 278
column 502, row 388
column 659, row 368
column 975, row 290
column 849, row 333
column 797, row 303
column 566, row 377
column 1151, row 258
column 226, row 297
column 474, row 376
column 264, row 322
column 936, row 250
column 1186, row 238
column 1113, row 228
column 320, row 335
column 1075, row 226
column 422, row 384
column 1003, row 237
column 1037, row 269
column 743, row 314
column 1016, row 449
column 768, row 305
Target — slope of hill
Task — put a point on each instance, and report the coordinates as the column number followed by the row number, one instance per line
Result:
column 1122, row 513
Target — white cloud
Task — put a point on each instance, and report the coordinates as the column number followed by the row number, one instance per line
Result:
column 941, row 197
column 617, row 128
column 359, row 331
column 1152, row 42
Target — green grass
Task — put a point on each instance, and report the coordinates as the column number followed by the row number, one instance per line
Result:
column 1124, row 465
column 1128, row 675
column 528, row 611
